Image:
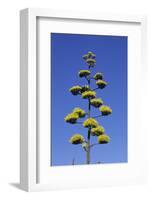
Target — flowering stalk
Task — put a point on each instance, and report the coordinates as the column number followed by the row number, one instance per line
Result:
column 89, row 129
column 94, row 129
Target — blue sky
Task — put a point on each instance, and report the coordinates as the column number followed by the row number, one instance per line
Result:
column 66, row 60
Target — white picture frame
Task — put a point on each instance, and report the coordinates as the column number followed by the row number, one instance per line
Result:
column 29, row 105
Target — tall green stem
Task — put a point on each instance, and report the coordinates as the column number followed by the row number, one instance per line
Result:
column 89, row 131
column 88, row 151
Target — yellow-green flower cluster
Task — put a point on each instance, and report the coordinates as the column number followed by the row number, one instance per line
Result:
column 80, row 112
column 96, row 102
column 71, row 118
column 88, row 95
column 75, row 90
column 101, row 84
column 99, row 130
column 90, row 123
column 91, row 62
column 90, row 59
column 75, row 115
column 85, row 88
column 89, row 55
column 76, row 139
column 103, row 139
column 98, row 76
column 106, row 110
column 84, row 73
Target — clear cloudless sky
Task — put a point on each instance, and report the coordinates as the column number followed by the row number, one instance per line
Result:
column 66, row 61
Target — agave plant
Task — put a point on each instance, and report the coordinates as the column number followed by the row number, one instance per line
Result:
column 90, row 123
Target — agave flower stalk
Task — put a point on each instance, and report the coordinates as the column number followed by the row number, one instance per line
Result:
column 93, row 127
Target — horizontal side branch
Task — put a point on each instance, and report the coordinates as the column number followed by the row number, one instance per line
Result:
column 97, row 116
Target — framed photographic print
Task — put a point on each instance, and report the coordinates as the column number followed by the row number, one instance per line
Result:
column 81, row 80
